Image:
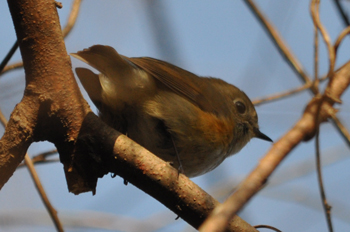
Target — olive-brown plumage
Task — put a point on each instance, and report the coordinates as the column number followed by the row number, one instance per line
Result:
column 182, row 118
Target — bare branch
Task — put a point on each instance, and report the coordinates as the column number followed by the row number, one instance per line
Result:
column 10, row 67
column 8, row 56
column 42, row 158
column 3, row 120
column 267, row 227
column 16, row 139
column 326, row 206
column 282, row 95
column 42, row 193
column 340, row 38
column 342, row 12
column 279, row 42
column 331, row 53
column 316, row 79
column 72, row 18
column 344, row 132
column 325, row 36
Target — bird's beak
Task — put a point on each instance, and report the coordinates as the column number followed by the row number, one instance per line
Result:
column 260, row 135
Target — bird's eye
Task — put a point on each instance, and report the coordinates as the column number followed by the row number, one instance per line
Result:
column 240, row 107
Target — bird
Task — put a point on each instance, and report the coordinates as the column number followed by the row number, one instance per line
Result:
column 190, row 121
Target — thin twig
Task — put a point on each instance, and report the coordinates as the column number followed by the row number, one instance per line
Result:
column 325, row 36
column 324, row 77
column 40, row 189
column 11, row 67
column 8, row 56
column 342, row 13
column 29, row 163
column 316, row 80
column 42, row 158
column 340, row 38
column 21, row 165
column 345, row 133
column 278, row 41
column 3, row 120
column 267, row 227
column 281, row 95
column 72, row 17
column 315, row 12
column 326, row 206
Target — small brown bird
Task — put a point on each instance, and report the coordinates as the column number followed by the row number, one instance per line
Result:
column 193, row 122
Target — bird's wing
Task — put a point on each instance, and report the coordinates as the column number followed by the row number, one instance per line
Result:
column 180, row 81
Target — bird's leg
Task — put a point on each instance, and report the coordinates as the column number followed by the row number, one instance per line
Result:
column 180, row 168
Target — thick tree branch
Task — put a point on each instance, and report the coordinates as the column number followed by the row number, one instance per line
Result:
column 105, row 150
column 52, row 107
column 16, row 139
